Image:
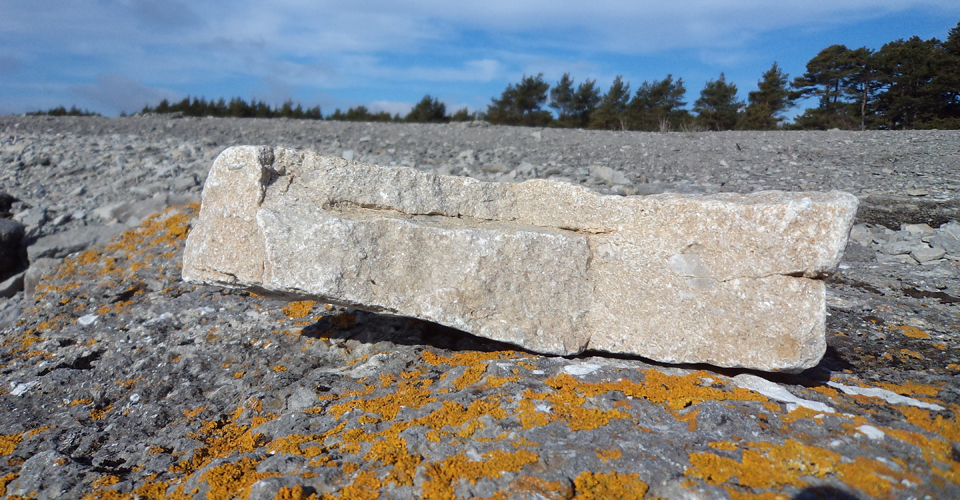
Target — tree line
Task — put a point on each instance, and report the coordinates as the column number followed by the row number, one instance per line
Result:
column 906, row 84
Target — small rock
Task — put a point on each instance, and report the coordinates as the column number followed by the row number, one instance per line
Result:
column 914, row 229
column 10, row 312
column 60, row 219
column 925, row 253
column 74, row 240
column 88, row 319
column 898, row 247
column 917, row 192
column 347, row 154
column 12, row 285
column 33, row 217
column 38, row 269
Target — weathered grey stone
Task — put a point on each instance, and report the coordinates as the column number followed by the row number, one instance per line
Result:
column 61, row 244
column 725, row 279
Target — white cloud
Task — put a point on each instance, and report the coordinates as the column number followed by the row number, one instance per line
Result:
column 120, row 93
column 294, row 45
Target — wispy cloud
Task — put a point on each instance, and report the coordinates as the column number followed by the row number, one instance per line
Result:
column 307, row 47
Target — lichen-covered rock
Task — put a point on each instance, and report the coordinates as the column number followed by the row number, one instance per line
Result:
column 723, row 279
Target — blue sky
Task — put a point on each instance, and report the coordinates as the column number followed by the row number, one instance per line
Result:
column 119, row 55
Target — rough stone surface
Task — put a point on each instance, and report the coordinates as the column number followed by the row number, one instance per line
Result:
column 146, row 386
column 553, row 268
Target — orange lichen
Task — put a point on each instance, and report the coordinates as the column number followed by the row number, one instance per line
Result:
column 470, row 376
column 102, row 482
column 470, row 358
column 493, row 381
column 365, row 486
column 233, row 480
column 690, row 418
column 607, row 455
column 219, row 440
column 388, row 406
column 722, row 445
column 534, row 487
column 9, row 442
column 38, row 430
column 529, row 416
column 297, row 310
column 444, row 475
column 764, row 466
column 99, row 413
column 294, row 493
column 589, row 486
column 802, row 412
column 913, row 332
column 5, row 480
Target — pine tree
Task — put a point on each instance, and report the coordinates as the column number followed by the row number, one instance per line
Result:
column 610, row 113
column 825, row 79
column 767, row 104
column 428, row 110
column 907, row 69
column 521, row 104
column 657, row 105
column 462, row 115
column 562, row 99
column 718, row 107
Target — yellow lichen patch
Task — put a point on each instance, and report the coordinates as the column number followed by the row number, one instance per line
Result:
column 675, row 392
column 99, row 413
column 443, row 476
column 102, row 482
column 387, row 407
column 220, row 439
column 493, row 381
column 534, row 487
column 365, row 486
column 297, row 310
column 764, row 466
column 529, row 416
column 233, row 480
column 690, row 418
column 5, row 480
column 38, row 430
column 294, row 493
column 873, row 477
column 722, row 445
column 9, row 442
column 470, row 376
column 946, row 427
column 470, row 358
column 802, row 412
column 607, row 455
column 913, row 332
column 392, row 450
column 910, row 388
column 589, row 486
column 937, row 452
column 907, row 353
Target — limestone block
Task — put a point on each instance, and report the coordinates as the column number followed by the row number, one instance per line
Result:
column 727, row 279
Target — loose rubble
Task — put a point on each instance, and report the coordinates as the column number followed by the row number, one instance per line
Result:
column 119, row 380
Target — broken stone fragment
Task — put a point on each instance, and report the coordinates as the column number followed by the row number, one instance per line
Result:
column 726, row 279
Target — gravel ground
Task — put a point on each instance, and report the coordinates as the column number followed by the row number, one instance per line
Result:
column 117, row 380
